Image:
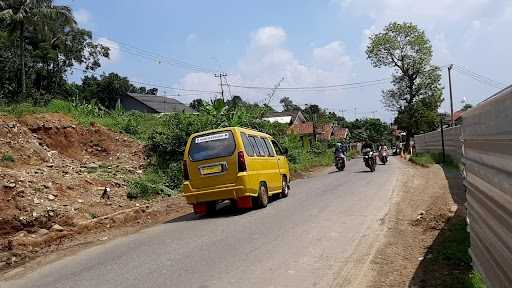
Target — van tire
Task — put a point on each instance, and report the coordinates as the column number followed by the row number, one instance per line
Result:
column 212, row 207
column 285, row 187
column 262, row 198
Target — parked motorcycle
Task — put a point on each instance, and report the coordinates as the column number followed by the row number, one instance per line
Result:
column 369, row 159
column 339, row 161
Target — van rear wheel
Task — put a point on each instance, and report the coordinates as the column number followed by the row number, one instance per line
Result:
column 262, row 198
column 212, row 207
column 285, row 188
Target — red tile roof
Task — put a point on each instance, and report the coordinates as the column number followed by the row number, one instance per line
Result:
column 340, row 133
column 457, row 114
column 301, row 128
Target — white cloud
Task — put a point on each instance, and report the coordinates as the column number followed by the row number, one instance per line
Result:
column 115, row 51
column 82, row 16
column 470, row 33
column 333, row 54
column 268, row 37
column 267, row 60
column 191, row 37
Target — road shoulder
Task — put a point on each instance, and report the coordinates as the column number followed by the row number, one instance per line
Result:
column 424, row 202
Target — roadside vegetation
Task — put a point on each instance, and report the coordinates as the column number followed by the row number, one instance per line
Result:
column 165, row 136
column 450, row 252
column 429, row 159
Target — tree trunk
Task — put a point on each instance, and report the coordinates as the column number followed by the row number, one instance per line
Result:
column 407, row 146
column 22, row 56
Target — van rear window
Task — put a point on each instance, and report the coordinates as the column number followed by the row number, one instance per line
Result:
column 210, row 146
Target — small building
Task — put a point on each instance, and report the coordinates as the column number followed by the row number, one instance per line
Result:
column 289, row 118
column 301, row 129
column 330, row 131
column 152, row 104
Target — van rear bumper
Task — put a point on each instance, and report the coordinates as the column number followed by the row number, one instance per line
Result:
column 194, row 196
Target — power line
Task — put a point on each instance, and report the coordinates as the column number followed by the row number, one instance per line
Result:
column 152, row 84
column 344, row 85
column 478, row 77
column 150, row 55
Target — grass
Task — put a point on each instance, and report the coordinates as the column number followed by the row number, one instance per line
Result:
column 308, row 161
column 474, row 280
column 453, row 247
column 351, row 154
column 429, row 159
column 7, row 158
column 151, row 184
column 449, row 264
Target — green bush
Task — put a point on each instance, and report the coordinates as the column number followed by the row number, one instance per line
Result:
column 151, row 184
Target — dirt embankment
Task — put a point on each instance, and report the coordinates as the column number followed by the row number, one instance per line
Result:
column 53, row 174
column 424, row 205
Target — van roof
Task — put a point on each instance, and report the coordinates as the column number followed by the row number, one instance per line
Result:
column 240, row 129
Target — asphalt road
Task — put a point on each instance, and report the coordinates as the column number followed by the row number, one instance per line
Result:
column 304, row 240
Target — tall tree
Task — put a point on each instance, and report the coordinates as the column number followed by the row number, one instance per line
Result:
column 17, row 14
column 197, row 104
column 105, row 90
column 417, row 93
column 288, row 105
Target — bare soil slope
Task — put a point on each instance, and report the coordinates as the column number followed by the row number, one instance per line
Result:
column 52, row 175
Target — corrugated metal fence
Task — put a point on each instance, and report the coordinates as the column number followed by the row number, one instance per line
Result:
column 487, row 131
column 485, row 143
column 431, row 142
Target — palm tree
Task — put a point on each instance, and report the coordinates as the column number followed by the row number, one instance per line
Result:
column 17, row 14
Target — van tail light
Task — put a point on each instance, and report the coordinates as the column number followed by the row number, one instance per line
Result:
column 186, row 176
column 242, row 167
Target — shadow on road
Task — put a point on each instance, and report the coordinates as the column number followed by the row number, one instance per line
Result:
column 224, row 210
column 363, row 171
column 447, row 263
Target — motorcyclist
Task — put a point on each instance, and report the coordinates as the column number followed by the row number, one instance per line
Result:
column 383, row 148
column 340, row 149
column 383, row 153
column 366, row 145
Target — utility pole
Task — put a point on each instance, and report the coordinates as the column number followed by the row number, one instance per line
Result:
column 452, row 122
column 442, row 140
column 220, row 75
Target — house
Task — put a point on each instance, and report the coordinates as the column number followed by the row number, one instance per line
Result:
column 329, row 132
column 341, row 133
column 284, row 117
column 457, row 117
column 301, row 129
column 152, row 104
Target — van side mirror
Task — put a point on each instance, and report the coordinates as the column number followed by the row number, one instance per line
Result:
column 285, row 151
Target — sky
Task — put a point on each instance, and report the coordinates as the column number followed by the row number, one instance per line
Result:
column 306, row 43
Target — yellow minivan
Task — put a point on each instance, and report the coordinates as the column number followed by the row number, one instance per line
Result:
column 237, row 164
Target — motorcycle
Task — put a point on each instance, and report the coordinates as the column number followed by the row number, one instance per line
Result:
column 383, row 156
column 339, row 161
column 369, row 159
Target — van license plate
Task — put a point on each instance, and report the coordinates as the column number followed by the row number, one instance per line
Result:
column 211, row 169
